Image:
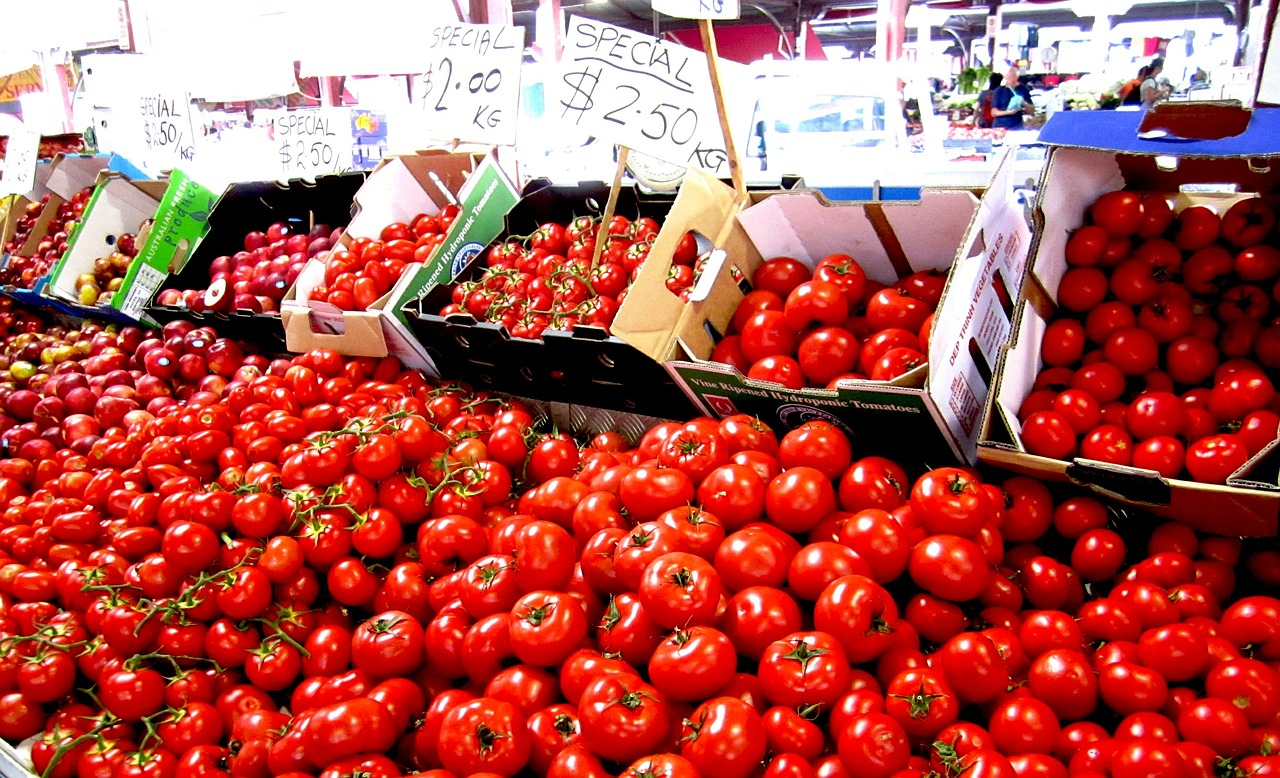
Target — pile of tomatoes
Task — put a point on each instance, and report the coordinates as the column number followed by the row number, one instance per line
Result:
column 358, row 276
column 330, row 567
column 813, row 328
column 25, row 271
column 552, row 279
column 1164, row 349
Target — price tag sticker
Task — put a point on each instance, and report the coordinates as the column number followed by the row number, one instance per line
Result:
column 641, row 92
column 311, row 143
column 699, row 9
column 20, row 163
column 470, row 90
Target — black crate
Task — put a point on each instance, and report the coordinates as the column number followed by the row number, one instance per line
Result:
column 585, row 367
column 247, row 206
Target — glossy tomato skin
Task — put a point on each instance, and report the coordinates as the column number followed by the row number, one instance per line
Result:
column 724, row 736
column 484, row 735
column 873, row 744
column 622, row 718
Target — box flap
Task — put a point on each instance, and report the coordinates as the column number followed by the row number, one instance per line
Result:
column 885, row 238
column 73, row 172
column 406, row 186
column 973, row 321
column 1120, row 131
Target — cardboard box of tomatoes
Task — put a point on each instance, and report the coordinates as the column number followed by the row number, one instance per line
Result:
column 397, row 191
column 622, row 368
column 67, row 175
column 931, row 413
column 247, row 207
column 1198, row 155
column 167, row 219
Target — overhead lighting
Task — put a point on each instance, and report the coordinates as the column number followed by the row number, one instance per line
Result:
column 599, row 2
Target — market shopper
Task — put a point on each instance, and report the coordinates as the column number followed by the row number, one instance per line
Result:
column 986, row 100
column 1007, row 105
column 1154, row 89
column 1130, row 92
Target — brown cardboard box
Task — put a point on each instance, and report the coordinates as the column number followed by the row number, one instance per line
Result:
column 397, row 190
column 1089, row 156
column 932, row 413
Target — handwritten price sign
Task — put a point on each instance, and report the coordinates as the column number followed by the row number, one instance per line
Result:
column 167, row 132
column 311, row 143
column 699, row 9
column 471, row 87
column 641, row 92
column 20, row 163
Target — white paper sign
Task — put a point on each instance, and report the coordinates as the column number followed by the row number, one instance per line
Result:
column 310, row 143
column 20, row 162
column 470, row 90
column 641, row 92
column 168, row 134
column 699, row 9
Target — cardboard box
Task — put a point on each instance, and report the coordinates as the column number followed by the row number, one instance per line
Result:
column 1092, row 153
column 16, row 205
column 623, row 369
column 242, row 208
column 168, row 218
column 397, row 191
column 933, row 413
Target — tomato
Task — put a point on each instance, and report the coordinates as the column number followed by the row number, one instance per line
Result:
column 1196, row 227
column 757, row 616
column 805, row 668
column 1118, row 212
column 950, row 500
column 973, row 667
column 893, row 308
column 484, row 735
column 661, row 766
column 724, row 736
column 546, row 628
column 1024, row 725
column 693, row 664
column 844, row 272
column 647, row 491
column 780, row 275
column 874, row 745
column 1248, row 222
column 1214, row 459
column 799, row 498
column 949, row 567
column 387, row 645
column 860, row 614
column 680, row 590
column 622, row 718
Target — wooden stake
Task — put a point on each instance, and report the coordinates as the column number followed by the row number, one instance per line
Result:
column 713, row 66
column 603, row 236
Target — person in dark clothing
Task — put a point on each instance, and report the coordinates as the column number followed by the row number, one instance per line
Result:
column 985, row 100
column 1131, row 91
column 1007, row 105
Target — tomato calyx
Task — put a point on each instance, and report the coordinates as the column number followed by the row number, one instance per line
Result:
column 632, row 700
column 611, row 616
column 804, row 653
column 536, row 616
column 488, row 737
column 919, row 702
column 565, row 726
column 383, row 626
column 682, row 578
